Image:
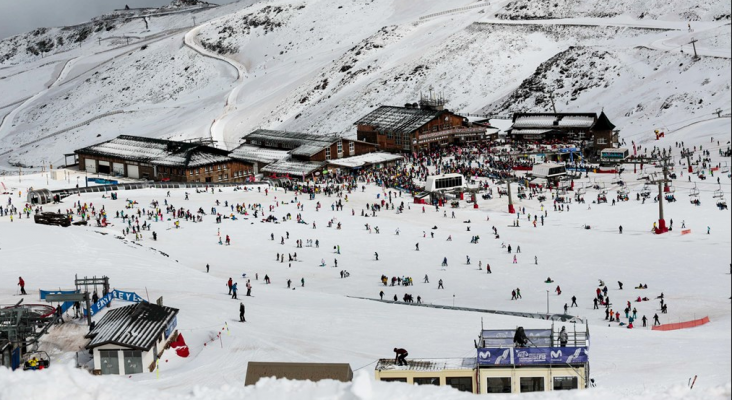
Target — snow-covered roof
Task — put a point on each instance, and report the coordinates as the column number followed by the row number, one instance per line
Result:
column 294, row 168
column 292, row 140
column 366, row 159
column 160, row 152
column 446, row 364
column 559, row 120
column 258, row 154
column 530, row 131
column 137, row 326
column 399, row 119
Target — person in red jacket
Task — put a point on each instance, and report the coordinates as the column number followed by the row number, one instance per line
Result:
column 230, row 283
column 21, row 283
column 401, row 356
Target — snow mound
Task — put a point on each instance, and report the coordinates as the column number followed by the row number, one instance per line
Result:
column 80, row 385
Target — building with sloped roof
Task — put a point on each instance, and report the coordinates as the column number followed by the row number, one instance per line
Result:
column 129, row 340
column 308, row 147
column 597, row 132
column 163, row 160
column 416, row 127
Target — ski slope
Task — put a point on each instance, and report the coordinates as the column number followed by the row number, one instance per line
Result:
column 320, row 323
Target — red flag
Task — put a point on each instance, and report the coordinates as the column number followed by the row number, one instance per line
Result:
column 180, row 346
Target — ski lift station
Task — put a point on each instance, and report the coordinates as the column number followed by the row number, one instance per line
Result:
column 444, row 183
column 548, row 173
column 545, row 364
column 129, row 340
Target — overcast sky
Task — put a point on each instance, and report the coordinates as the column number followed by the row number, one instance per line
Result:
column 18, row 16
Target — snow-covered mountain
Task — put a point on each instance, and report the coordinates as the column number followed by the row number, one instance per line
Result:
column 319, row 65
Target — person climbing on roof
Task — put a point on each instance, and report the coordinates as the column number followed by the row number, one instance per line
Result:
column 401, row 357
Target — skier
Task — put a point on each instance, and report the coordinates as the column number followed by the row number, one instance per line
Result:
column 302, row 282
column 536, row 260
column 518, row 294
column 376, row 255
column 417, row 246
column 401, row 356
column 242, row 309
column 621, row 229
column 207, row 268
column 488, row 268
column 233, row 291
column 565, row 308
column 513, row 295
column 574, row 301
column 426, row 279
column 21, row 283
column 444, row 262
column 439, row 285
column 594, row 301
column 563, row 337
column 289, row 283
column 620, row 284
column 381, row 295
column 230, row 283
column 645, row 321
column 249, row 288
column 515, row 261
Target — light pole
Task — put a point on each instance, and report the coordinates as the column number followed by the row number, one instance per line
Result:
column 547, row 303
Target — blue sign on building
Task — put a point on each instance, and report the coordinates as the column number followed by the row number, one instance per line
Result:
column 528, row 356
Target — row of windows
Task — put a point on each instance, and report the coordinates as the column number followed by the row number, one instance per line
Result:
column 446, row 183
column 498, row 385
column 208, row 169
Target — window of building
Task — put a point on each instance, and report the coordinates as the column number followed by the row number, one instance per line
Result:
column 219, row 167
column 198, row 171
column 498, row 385
column 394, row 380
column 601, row 141
column 327, row 153
column 532, row 384
column 352, row 148
column 220, row 178
column 133, row 362
column 566, row 383
column 190, row 172
column 226, row 166
column 340, row 147
column 110, row 362
column 427, row 381
column 226, row 176
column 461, row 384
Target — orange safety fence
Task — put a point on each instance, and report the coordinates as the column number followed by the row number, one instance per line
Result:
column 682, row 325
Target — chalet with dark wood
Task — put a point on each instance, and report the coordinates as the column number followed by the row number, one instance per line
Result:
column 416, row 126
column 596, row 132
column 163, row 160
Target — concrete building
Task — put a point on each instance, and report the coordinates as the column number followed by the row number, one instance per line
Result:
column 459, row 373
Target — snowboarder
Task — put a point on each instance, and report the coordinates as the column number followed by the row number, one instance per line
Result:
column 401, row 357
column 21, row 283
column 242, row 309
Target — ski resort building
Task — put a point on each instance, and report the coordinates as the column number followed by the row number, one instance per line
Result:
column 129, row 340
column 308, row 147
column 595, row 132
column 414, row 127
column 163, row 160
column 547, row 363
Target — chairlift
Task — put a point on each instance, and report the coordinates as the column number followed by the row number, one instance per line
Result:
column 624, row 192
column 725, row 168
column 722, row 204
column 719, row 194
column 36, row 360
column 646, row 191
column 694, row 191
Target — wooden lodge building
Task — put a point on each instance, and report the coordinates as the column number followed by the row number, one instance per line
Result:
column 416, row 126
column 162, row 160
column 308, row 147
column 596, row 132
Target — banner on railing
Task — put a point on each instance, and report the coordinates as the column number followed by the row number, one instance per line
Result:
column 115, row 294
column 533, row 356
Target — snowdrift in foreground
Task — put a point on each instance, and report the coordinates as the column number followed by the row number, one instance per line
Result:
column 80, row 385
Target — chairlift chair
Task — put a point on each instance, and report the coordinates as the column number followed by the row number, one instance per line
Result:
column 42, row 358
column 725, row 168
column 694, row 191
column 719, row 194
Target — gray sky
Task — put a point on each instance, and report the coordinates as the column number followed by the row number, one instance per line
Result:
column 18, row 16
